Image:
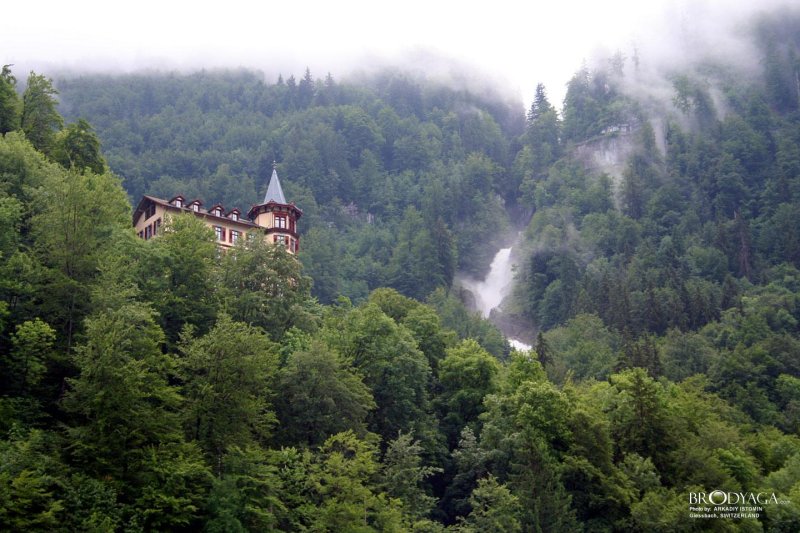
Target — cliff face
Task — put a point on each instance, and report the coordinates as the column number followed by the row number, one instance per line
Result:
column 606, row 154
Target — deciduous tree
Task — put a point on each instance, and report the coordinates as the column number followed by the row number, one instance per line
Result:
column 40, row 119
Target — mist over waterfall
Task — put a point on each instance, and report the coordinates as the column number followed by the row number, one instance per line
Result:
column 490, row 292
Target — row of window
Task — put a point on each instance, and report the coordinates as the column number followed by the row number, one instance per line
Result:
column 178, row 202
column 223, row 235
column 232, row 235
column 217, row 211
column 290, row 243
column 195, row 206
column 150, row 230
column 281, row 222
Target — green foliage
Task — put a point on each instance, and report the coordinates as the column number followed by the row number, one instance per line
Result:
column 319, row 395
column 594, row 105
column 174, row 480
column 263, row 285
column 638, row 420
column 456, row 317
column 542, row 133
column 176, row 275
column 356, row 157
column 10, row 219
column 90, row 211
column 126, row 426
column 9, row 101
column 466, row 375
column 692, row 98
column 123, row 382
column 320, row 257
column 174, row 370
column 227, row 379
column 525, row 432
column 40, row 120
column 30, row 475
column 395, row 371
column 340, row 481
column 246, row 497
column 421, row 320
column 403, row 475
column 91, row 505
column 584, row 348
column 77, row 146
column 494, row 508
column 416, row 267
column 32, row 345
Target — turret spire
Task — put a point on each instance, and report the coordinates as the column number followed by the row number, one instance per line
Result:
column 274, row 190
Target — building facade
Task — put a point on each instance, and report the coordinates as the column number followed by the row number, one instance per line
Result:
column 274, row 219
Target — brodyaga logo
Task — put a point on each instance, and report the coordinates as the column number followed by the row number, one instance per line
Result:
column 720, row 504
column 719, row 497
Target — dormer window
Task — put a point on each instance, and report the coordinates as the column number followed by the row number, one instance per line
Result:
column 218, row 212
column 196, row 207
column 178, row 202
column 234, row 216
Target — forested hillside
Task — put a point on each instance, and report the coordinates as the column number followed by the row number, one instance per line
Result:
column 162, row 386
column 401, row 180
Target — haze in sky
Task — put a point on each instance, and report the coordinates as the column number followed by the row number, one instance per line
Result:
column 516, row 44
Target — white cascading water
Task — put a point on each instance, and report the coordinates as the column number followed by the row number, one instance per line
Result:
column 490, row 292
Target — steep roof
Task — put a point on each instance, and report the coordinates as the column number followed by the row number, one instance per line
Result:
column 274, row 190
column 185, row 209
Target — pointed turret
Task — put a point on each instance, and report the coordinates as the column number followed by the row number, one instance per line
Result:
column 274, row 190
column 277, row 216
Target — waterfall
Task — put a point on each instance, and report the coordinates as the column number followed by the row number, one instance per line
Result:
column 491, row 292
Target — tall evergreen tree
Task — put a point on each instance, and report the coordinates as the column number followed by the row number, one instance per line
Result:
column 40, row 120
column 305, row 89
column 9, row 101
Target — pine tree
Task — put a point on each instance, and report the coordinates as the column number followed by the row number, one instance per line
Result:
column 305, row 90
column 9, row 101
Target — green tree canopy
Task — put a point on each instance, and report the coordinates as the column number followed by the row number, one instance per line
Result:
column 40, row 119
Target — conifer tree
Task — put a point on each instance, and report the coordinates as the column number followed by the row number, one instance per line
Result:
column 9, row 101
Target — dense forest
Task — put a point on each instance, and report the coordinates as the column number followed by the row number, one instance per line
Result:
column 163, row 386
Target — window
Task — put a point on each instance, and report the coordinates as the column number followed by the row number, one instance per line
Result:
column 178, row 202
column 234, row 236
column 196, row 208
column 151, row 210
column 280, row 239
column 218, row 212
column 234, row 216
column 156, row 225
column 220, row 232
column 148, row 232
column 280, row 221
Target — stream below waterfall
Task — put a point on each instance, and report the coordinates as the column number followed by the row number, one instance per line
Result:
column 491, row 291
